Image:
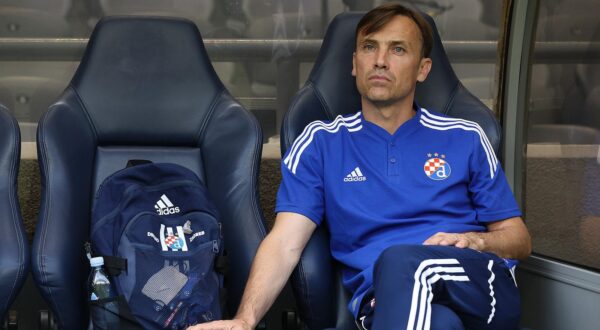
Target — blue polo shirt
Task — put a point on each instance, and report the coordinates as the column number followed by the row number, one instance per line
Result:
column 434, row 174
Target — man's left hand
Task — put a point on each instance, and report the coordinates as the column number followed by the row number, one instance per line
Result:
column 464, row 240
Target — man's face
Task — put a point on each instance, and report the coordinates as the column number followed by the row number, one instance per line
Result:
column 387, row 64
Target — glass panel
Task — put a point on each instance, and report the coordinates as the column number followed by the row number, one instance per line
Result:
column 462, row 22
column 29, row 86
column 562, row 170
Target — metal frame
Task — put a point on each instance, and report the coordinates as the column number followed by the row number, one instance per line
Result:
column 514, row 100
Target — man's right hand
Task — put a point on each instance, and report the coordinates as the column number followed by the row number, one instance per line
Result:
column 235, row 324
column 275, row 259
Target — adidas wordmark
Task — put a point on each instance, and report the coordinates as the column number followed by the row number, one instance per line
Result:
column 355, row 175
column 165, row 207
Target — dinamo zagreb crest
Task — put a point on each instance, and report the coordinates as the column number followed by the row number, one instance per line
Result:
column 172, row 241
column 436, row 167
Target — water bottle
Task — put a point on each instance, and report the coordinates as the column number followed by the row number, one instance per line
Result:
column 104, row 313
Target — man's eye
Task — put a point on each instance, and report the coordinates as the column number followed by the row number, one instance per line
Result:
column 398, row 50
column 368, row 47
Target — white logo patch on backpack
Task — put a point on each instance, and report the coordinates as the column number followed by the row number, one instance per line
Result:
column 172, row 242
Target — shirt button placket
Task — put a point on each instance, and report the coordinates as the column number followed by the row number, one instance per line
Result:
column 392, row 161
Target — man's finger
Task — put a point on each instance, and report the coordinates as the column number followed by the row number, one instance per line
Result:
column 433, row 240
column 462, row 242
column 218, row 325
column 437, row 239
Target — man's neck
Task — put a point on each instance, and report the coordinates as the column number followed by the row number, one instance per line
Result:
column 389, row 117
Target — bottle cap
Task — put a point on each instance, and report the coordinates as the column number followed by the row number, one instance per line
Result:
column 96, row 261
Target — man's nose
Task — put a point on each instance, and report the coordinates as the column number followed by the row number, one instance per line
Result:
column 381, row 59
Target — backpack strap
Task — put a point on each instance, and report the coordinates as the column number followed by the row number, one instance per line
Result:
column 222, row 264
column 222, row 267
column 135, row 162
column 115, row 265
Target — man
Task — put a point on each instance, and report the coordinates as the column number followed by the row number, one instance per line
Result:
column 422, row 245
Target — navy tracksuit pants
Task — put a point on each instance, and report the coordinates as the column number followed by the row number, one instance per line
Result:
column 441, row 287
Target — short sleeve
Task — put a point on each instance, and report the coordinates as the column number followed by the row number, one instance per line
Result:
column 490, row 193
column 301, row 189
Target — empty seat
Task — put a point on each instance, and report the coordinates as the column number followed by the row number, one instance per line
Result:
column 145, row 89
column 14, row 247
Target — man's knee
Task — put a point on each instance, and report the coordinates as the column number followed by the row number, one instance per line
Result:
column 399, row 258
column 444, row 318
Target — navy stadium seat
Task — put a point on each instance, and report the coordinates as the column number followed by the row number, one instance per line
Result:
column 145, row 89
column 331, row 91
column 14, row 247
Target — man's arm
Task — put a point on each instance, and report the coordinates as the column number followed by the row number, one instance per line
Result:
column 275, row 259
column 506, row 238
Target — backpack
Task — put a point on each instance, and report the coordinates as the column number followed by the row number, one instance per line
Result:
column 160, row 237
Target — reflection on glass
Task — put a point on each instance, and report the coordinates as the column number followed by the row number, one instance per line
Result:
column 29, row 87
column 562, row 199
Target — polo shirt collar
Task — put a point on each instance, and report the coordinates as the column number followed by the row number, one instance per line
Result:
column 406, row 128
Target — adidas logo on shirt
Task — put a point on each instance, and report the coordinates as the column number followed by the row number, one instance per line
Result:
column 165, row 207
column 355, row 175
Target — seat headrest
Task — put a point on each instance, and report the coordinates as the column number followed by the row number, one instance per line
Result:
column 139, row 74
column 437, row 91
column 334, row 61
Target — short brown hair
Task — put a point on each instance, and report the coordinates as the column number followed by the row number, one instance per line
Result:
column 377, row 18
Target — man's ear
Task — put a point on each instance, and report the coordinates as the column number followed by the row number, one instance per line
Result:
column 354, row 64
column 424, row 68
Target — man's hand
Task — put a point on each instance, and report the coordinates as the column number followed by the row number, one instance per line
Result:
column 505, row 238
column 275, row 259
column 465, row 240
column 234, row 324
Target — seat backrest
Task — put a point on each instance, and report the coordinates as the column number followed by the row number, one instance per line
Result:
column 145, row 89
column 331, row 91
column 14, row 249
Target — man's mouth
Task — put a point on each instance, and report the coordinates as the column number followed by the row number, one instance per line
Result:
column 379, row 77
